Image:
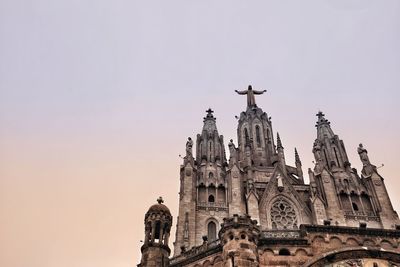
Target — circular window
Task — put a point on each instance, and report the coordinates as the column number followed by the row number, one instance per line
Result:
column 283, row 216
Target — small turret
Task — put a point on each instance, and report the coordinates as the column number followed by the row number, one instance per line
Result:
column 155, row 250
column 239, row 236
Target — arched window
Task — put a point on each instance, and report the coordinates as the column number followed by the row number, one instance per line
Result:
column 210, row 175
column 210, row 151
column 246, row 135
column 258, row 138
column 344, row 199
column 284, row 252
column 367, row 204
column 211, row 199
column 355, row 206
column 157, row 231
column 355, row 202
column 283, row 215
column 212, row 231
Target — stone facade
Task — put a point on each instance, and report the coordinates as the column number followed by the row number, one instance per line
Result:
column 255, row 210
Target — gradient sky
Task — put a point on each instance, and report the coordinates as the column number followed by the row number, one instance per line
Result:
column 97, row 99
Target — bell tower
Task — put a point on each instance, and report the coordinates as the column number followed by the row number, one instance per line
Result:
column 211, row 184
column 155, row 250
column 203, row 195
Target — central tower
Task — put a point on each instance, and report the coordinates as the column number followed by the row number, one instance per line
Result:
column 255, row 138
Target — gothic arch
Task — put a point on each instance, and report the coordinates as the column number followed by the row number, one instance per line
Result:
column 245, row 134
column 272, row 192
column 207, row 229
column 258, row 133
column 352, row 253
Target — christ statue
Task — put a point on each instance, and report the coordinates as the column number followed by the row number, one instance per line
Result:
column 251, row 101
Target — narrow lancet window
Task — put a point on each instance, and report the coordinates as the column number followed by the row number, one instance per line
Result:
column 212, row 231
column 258, row 138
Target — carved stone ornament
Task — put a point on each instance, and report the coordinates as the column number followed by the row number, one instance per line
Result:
column 283, row 215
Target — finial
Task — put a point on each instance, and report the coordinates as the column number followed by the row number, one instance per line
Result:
column 320, row 114
column 210, row 113
column 321, row 119
column 160, row 200
column 296, row 155
column 279, row 142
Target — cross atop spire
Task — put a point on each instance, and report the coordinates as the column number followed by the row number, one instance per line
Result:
column 209, row 116
column 209, row 112
column 320, row 114
column 321, row 119
column 251, row 101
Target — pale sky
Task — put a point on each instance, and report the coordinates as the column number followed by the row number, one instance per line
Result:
column 97, row 99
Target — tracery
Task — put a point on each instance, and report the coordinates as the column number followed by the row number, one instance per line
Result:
column 283, row 215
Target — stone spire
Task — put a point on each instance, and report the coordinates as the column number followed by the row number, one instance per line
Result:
column 209, row 121
column 210, row 146
column 323, row 127
column 328, row 149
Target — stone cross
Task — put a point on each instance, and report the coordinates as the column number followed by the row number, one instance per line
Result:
column 160, row 200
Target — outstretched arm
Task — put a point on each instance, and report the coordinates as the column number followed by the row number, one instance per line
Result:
column 259, row 92
column 241, row 92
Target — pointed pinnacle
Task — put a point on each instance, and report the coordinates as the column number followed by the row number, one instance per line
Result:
column 296, row 156
column 279, row 142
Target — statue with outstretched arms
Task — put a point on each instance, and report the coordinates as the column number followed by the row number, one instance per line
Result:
column 251, row 101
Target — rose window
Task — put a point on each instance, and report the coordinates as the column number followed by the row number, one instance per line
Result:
column 283, row 216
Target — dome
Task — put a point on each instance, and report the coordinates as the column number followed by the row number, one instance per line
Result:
column 159, row 207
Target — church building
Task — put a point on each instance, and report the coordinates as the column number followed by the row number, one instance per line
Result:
column 252, row 209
